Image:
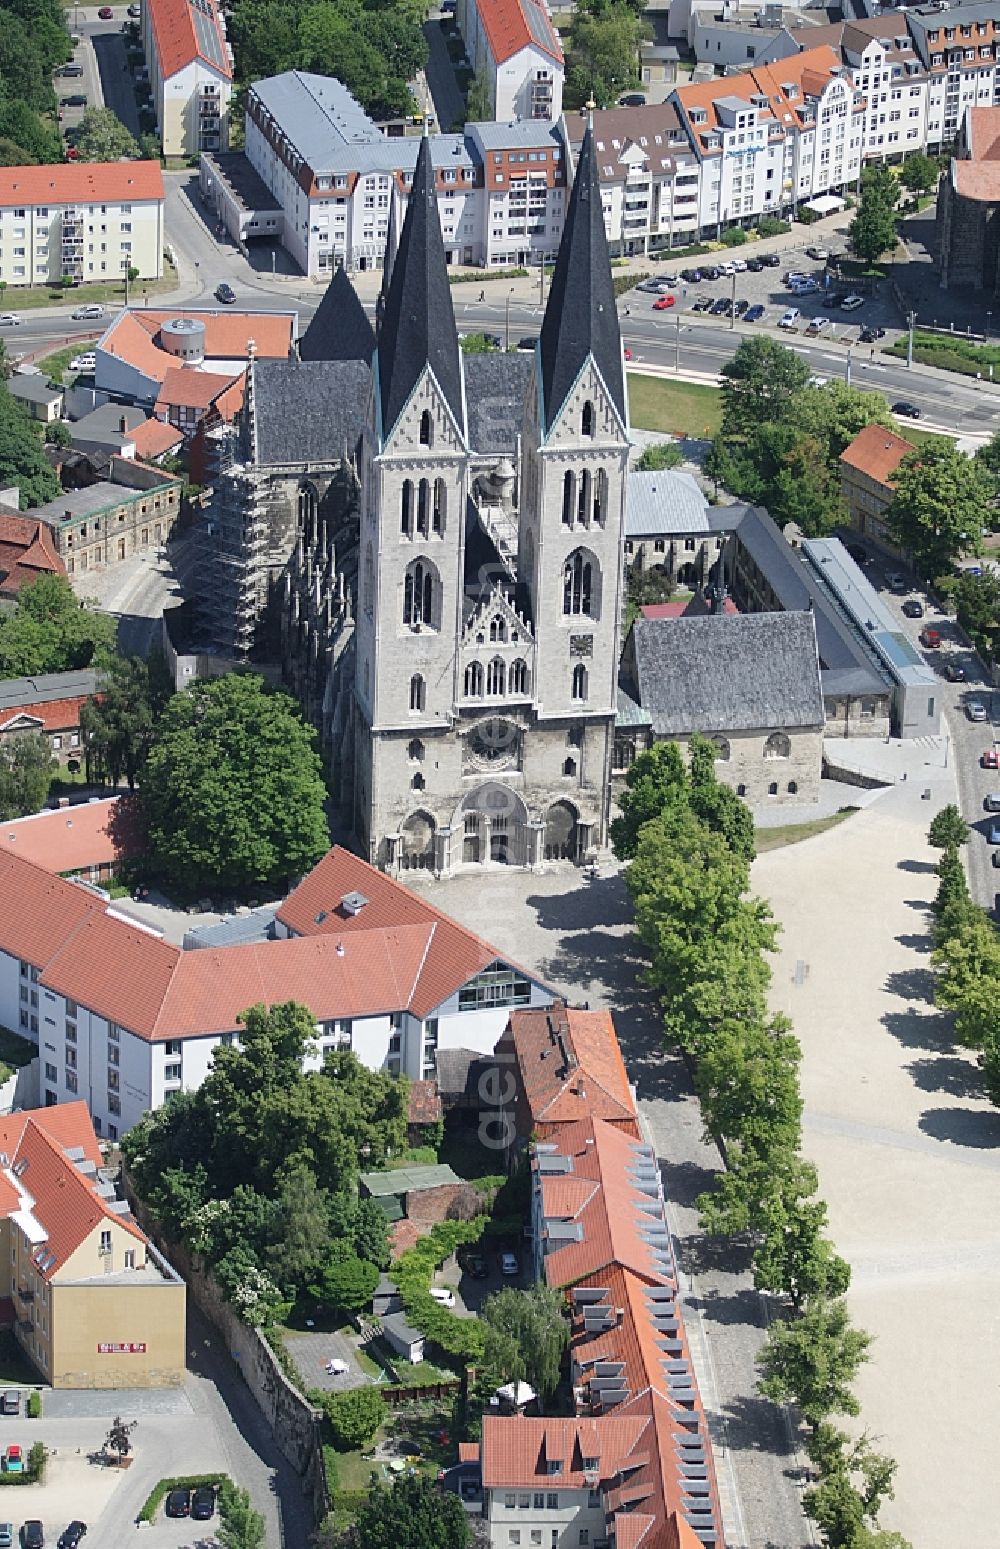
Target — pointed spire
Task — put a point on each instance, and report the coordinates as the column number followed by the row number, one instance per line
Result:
column 389, row 258
column 581, row 319
column 339, row 329
column 418, row 321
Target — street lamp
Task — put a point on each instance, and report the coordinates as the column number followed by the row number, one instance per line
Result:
column 507, row 319
column 847, row 373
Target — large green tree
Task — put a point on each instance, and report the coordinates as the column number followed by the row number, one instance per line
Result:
column 919, row 172
column 26, row 769
column 948, row 828
column 603, row 56
column 117, row 725
column 812, row 1361
column 412, row 1511
column 50, row 631
column 103, row 136
column 22, row 455
column 232, row 793
column 938, row 507
column 526, row 1335
column 873, row 229
column 759, row 384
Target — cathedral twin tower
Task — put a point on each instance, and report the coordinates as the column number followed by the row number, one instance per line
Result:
column 490, row 562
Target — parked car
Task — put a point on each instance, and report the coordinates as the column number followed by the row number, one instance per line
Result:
column 976, row 710
column 11, row 1402
column 742, row 306
column 225, row 294
column 991, row 802
column 135, row 10
column 818, row 325
column 990, row 759
column 666, row 282
column 105, row 13
column 691, row 276
column 930, row 638
column 13, row 1459
column 633, row 99
column 73, row 1534
column 72, row 69
column 474, row 1265
column 178, row 1503
column 908, row 410
column 896, row 582
column 754, row 314
column 913, row 609
column 32, row 1534
column 806, row 287
column 509, row 1264
column 728, row 268
column 851, row 303
column 442, row 1295
column 203, row 1503
column 701, row 304
column 528, row 342
column 794, row 277
column 9, row 319
column 755, row 265
column 870, row 335
column 711, row 272
column 663, row 302
column 648, row 285
column 821, row 254
column 772, row 260
column 6, row 1535
column 954, row 672
column 85, row 362
column 77, row 100
column 993, row 837
column 93, row 309
column 738, row 266
column 789, row 318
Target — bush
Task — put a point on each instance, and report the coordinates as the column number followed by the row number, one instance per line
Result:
column 413, row 1272
column 480, row 275
column 623, row 282
column 179, row 1482
column 34, row 1404
column 806, row 217
column 772, row 226
column 693, row 250
column 734, row 236
column 355, row 1416
column 34, row 1467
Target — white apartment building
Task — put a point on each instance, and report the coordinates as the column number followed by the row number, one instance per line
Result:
column 83, row 221
column 123, row 1019
column 958, row 49
column 190, row 67
column 514, row 45
column 523, row 192
column 650, row 175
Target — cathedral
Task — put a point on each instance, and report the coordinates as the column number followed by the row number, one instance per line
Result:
column 436, row 540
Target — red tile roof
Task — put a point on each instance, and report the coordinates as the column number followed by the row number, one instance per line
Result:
column 615, row 1219
column 978, row 177
column 92, row 833
column 187, row 387
column 571, row 1065
column 516, row 1449
column 694, row 607
column 26, row 552
column 877, row 452
column 510, row 26
column 81, row 182
column 133, row 336
column 63, row 1200
column 153, row 437
column 39, row 911
column 176, row 28
column 48, row 715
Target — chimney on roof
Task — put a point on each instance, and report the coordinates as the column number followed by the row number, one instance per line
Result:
column 340, row 949
column 123, row 425
column 352, row 903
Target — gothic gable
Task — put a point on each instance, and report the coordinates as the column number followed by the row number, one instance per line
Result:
column 579, row 426
column 426, row 424
column 496, row 613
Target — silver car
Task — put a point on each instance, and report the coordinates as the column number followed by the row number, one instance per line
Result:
column 976, row 710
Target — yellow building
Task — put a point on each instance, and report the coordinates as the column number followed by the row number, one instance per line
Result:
column 866, row 480
column 92, row 1303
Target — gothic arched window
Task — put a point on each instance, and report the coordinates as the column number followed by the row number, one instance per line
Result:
column 474, row 680
column 423, row 499
column 440, row 506
column 579, row 681
column 568, row 498
column 601, row 498
column 777, row 746
column 406, row 509
column 495, row 676
column 416, row 692
column 578, row 584
column 583, row 499
column 587, row 419
column 426, row 429
column 419, row 594
column 308, row 506
column 517, row 679
column 498, row 629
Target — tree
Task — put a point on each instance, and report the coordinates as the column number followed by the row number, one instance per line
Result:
column 50, row 631
column 22, row 458
column 526, row 1335
column 119, row 1437
column 232, row 793
column 937, row 508
column 873, row 229
column 347, row 1284
column 117, row 725
column 953, row 907
column 835, row 413
column 656, row 780
column 718, row 805
column 977, row 599
column 240, row 1526
column 103, row 137
column 26, row 769
column 410, row 1511
column 642, row 587
column 659, row 454
column 919, row 172
column 759, row 384
column 812, row 1361
column 479, row 102
column 298, row 1229
column 354, row 1418
column 792, row 1257
column 747, row 1083
column 948, row 828
column 478, row 343
column 854, row 1481
column 603, row 57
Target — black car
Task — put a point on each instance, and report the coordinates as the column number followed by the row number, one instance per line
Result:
column 73, row 1535
column 954, row 673
column 755, row 314
column 203, row 1503
column 178, row 1503
column 773, row 260
column 755, row 265
column 32, row 1534
column 528, row 342
column 741, row 307
column 691, row 276
column 77, row 100
column 720, row 305
column 913, row 609
column 225, row 294
column 711, row 273
column 908, row 410
column 871, row 335
column 474, row 1265
column 702, row 304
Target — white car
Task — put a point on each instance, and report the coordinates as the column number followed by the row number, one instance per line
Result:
column 803, row 287
column 336, row 1367
column 739, row 265
column 442, row 1295
column 727, row 269
column 87, row 362
column 9, row 319
column 851, row 303
column 91, row 310
column 790, row 318
column 818, row 325
column 976, row 710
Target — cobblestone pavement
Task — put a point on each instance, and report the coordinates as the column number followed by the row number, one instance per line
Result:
column 576, row 935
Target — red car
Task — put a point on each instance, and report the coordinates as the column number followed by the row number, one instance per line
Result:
column 930, row 638
column 627, row 353
column 991, row 759
column 72, row 154
column 105, row 13
column 663, row 302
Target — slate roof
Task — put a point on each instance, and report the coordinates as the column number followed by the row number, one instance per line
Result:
column 495, row 388
column 339, row 329
column 581, row 319
column 16, row 693
column 751, row 671
column 34, row 389
column 664, row 502
column 418, row 325
column 308, row 411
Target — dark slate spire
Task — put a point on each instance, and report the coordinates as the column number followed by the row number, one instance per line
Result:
column 340, row 329
column 418, row 321
column 581, row 318
column 388, row 260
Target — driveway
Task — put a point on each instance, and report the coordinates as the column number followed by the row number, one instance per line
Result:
column 312, row 1351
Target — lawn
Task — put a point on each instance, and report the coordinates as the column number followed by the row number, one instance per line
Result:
column 791, row 833
column 54, row 366
column 25, row 298
column 680, row 408
column 907, row 429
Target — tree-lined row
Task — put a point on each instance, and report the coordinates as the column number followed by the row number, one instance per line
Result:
column 689, row 842
column 966, row 953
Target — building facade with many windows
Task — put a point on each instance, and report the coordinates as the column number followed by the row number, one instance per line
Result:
column 81, row 221
column 190, row 66
column 515, row 47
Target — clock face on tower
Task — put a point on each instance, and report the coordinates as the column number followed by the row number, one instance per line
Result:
column 494, row 742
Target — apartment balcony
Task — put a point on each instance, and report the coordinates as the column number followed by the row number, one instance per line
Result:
column 541, row 90
column 24, row 1294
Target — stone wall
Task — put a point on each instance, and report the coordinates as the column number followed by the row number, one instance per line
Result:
column 293, row 1422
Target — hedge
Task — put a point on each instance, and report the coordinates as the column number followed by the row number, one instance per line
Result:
column 178, row 1482
column 34, row 1471
column 693, row 250
column 773, row 226
column 34, row 1404
column 950, row 353
column 623, row 282
column 413, row 1273
column 478, row 276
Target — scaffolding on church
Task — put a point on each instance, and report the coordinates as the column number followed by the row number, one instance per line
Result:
column 234, row 568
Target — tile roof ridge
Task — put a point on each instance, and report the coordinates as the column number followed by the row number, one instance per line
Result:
column 432, row 926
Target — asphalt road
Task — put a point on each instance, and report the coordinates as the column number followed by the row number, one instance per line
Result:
column 449, row 104
column 117, row 90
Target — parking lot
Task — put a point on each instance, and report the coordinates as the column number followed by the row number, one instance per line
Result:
column 764, row 287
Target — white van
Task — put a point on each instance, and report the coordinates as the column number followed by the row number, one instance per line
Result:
column 790, row 318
